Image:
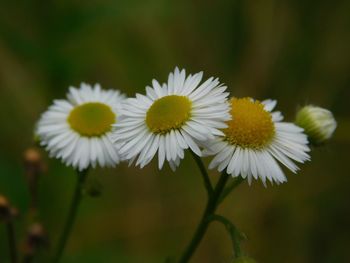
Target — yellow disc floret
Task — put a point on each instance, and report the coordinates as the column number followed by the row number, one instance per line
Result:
column 91, row 119
column 251, row 125
column 168, row 113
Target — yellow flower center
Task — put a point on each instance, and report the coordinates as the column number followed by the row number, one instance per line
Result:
column 251, row 125
column 91, row 119
column 167, row 113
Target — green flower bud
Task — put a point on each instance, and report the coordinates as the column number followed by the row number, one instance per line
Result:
column 318, row 123
column 244, row 259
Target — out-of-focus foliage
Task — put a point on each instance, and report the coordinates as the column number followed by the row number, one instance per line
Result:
column 295, row 51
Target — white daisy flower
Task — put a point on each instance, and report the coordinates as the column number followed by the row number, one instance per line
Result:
column 171, row 118
column 77, row 129
column 255, row 139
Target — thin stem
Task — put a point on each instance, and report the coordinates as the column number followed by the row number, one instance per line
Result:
column 230, row 188
column 204, row 223
column 235, row 235
column 12, row 241
column 206, row 179
column 78, row 193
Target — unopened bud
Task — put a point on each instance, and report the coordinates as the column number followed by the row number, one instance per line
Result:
column 319, row 123
column 32, row 155
column 34, row 167
column 37, row 234
column 7, row 212
column 36, row 239
column 4, row 209
column 33, row 161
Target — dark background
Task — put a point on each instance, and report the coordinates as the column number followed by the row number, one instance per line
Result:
column 294, row 51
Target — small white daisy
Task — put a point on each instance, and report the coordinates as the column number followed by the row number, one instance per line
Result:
column 171, row 118
column 77, row 130
column 255, row 139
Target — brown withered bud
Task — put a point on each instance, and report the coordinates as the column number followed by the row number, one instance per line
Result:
column 34, row 167
column 5, row 209
column 7, row 212
column 33, row 161
column 36, row 239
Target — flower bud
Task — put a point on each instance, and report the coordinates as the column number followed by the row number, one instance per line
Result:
column 33, row 168
column 7, row 212
column 5, row 209
column 37, row 234
column 33, row 161
column 244, row 259
column 318, row 123
column 35, row 240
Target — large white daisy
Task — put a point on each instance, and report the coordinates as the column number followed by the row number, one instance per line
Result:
column 255, row 139
column 171, row 118
column 77, row 129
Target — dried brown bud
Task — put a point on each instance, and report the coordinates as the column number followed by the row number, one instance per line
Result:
column 32, row 155
column 3, row 201
column 7, row 212
column 4, row 209
column 36, row 239
column 33, row 162
column 34, row 167
column 37, row 234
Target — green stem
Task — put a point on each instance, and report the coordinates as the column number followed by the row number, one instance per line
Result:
column 204, row 223
column 78, row 193
column 235, row 235
column 204, row 173
column 12, row 241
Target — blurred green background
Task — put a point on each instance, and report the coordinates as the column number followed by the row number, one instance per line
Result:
column 294, row 51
